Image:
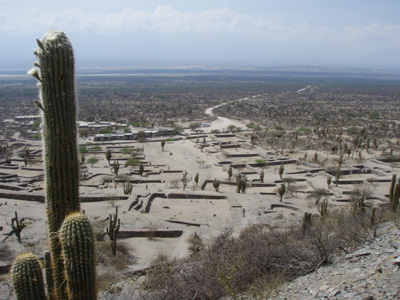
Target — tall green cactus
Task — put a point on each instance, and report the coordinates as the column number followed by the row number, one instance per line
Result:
column 55, row 63
column 393, row 205
column 26, row 274
column 76, row 236
column 72, row 246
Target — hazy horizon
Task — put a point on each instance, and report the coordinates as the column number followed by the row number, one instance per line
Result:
column 265, row 33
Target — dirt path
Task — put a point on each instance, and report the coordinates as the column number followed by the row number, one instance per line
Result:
column 222, row 122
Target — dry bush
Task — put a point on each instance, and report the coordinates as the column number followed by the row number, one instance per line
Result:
column 152, row 228
column 120, row 261
column 195, row 244
column 259, row 260
column 6, row 254
column 174, row 183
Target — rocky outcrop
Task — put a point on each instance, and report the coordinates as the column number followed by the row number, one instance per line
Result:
column 372, row 272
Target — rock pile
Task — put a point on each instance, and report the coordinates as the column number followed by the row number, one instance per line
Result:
column 370, row 273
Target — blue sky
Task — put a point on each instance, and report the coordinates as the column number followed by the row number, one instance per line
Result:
column 353, row 33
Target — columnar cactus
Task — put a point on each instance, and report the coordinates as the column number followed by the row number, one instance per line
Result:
column 72, row 242
column 128, row 187
column 392, row 203
column 323, row 208
column 26, row 274
column 55, row 63
column 76, row 236
column 113, row 229
column 307, row 222
column 17, row 226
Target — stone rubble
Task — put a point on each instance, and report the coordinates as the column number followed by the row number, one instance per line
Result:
column 370, row 273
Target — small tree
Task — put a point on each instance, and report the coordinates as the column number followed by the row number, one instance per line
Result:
column 281, row 192
column 115, row 167
column 216, row 184
column 108, row 155
column 163, row 144
column 329, row 181
column 196, row 178
column 141, row 170
column 230, row 172
column 184, row 180
column 281, row 170
column 262, row 176
column 92, row 160
column 83, row 150
column 131, row 162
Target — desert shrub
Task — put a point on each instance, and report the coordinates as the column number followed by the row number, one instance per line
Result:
column 195, row 244
column 120, row 261
column 259, row 260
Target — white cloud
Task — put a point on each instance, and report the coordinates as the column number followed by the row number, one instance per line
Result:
column 169, row 21
column 375, row 31
column 164, row 19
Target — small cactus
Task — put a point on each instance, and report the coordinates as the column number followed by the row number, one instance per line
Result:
column 113, row 229
column 323, row 208
column 307, row 222
column 216, row 184
column 78, row 250
column 128, row 187
column 27, row 278
column 17, row 226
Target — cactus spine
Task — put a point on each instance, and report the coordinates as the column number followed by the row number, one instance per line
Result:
column 76, row 236
column 26, row 274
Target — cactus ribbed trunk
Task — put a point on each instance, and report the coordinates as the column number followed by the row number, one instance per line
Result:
column 78, row 250
column 57, row 93
column 26, row 274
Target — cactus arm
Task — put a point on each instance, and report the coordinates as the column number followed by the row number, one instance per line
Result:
column 77, row 239
column 27, row 278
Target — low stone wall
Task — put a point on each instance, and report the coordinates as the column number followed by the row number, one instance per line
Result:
column 11, row 187
column 343, row 182
column 293, row 179
column 26, row 197
column 180, row 196
column 284, row 206
column 389, row 159
column 153, row 234
column 11, row 167
column 40, row 198
column 224, row 135
column 105, row 198
column 184, row 223
column 32, row 169
column 241, row 154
